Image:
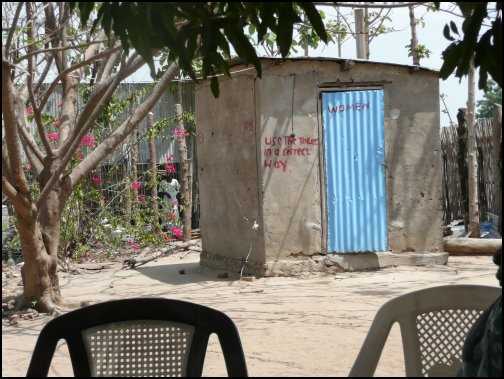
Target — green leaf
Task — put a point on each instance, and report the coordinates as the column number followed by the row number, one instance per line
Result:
column 85, row 10
column 450, row 60
column 286, row 20
column 454, row 28
column 446, row 32
column 315, row 19
column 242, row 45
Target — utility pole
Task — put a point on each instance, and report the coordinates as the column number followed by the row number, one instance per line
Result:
column 414, row 40
column 472, row 162
column 361, row 36
column 366, row 31
column 338, row 38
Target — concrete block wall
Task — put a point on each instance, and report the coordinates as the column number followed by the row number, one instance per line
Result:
column 259, row 148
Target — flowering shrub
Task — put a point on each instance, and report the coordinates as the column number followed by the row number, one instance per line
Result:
column 53, row 136
column 136, row 185
column 97, row 180
column 177, row 232
column 170, row 168
column 179, row 133
column 88, row 140
column 134, row 246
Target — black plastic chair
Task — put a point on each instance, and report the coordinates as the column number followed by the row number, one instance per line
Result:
column 139, row 337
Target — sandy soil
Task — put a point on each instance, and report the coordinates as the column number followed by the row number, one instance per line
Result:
column 308, row 326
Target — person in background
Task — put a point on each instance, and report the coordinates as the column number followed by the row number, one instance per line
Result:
column 482, row 353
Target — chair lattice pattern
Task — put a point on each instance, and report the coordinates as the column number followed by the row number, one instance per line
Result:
column 139, row 348
column 441, row 338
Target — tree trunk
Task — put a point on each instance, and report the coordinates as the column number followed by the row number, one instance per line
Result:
column 414, row 40
column 474, row 214
column 153, row 173
column 40, row 240
column 185, row 178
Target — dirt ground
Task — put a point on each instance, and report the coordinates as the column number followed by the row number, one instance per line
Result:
column 306, row 326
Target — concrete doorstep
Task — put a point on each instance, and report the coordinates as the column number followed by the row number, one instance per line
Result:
column 353, row 262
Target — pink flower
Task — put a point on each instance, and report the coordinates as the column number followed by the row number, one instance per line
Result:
column 136, row 185
column 134, row 246
column 88, row 140
column 29, row 111
column 179, row 132
column 97, row 180
column 170, row 168
column 177, row 232
column 53, row 136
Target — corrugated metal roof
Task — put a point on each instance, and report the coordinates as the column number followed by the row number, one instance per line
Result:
column 238, row 62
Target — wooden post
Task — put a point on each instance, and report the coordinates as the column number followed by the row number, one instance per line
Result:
column 184, row 177
column 462, row 163
column 472, row 160
column 497, row 125
column 360, row 37
column 135, row 157
column 153, row 172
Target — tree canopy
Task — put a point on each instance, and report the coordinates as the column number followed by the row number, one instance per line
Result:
column 491, row 98
column 487, row 48
column 203, row 31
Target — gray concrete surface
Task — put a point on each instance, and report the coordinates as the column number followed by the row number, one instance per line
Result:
column 312, row 325
column 252, row 113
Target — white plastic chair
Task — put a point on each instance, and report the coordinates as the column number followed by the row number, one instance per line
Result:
column 434, row 323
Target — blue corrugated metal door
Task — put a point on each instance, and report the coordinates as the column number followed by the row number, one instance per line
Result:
column 354, row 170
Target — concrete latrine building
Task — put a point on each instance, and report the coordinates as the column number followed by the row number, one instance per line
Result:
column 326, row 157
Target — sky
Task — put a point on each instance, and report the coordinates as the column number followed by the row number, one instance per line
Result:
column 391, row 48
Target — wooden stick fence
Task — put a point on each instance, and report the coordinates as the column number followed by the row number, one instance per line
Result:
column 487, row 143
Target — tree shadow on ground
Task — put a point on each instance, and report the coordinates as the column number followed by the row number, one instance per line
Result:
column 185, row 273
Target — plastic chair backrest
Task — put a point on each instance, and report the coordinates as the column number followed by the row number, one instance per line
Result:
column 139, row 337
column 434, row 323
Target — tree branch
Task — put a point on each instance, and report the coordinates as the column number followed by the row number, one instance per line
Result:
column 27, row 139
column 98, row 99
column 44, row 74
column 5, row 163
column 30, row 32
column 76, row 66
column 34, row 161
column 12, row 28
column 84, row 123
column 11, row 130
column 21, row 205
column 361, row 5
column 382, row 21
column 57, row 49
column 119, row 135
